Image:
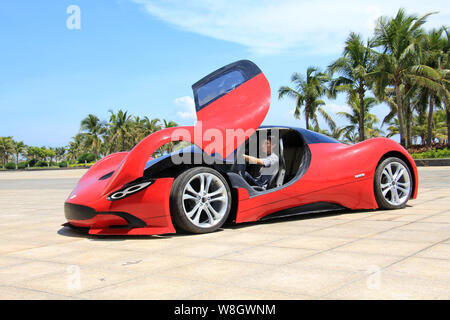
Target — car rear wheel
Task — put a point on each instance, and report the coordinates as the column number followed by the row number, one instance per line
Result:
column 393, row 183
column 200, row 200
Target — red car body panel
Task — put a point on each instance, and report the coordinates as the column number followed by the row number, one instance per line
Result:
column 338, row 173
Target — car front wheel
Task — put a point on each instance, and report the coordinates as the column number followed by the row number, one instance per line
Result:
column 200, row 200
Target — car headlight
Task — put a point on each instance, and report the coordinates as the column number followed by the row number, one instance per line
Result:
column 129, row 190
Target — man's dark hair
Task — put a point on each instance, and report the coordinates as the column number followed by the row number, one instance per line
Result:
column 270, row 138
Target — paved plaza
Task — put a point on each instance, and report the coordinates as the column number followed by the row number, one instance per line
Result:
column 403, row 254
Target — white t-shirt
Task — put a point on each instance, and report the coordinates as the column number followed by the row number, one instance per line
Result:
column 271, row 164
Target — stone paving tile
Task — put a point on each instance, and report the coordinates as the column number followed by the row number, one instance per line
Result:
column 343, row 231
column 269, row 255
column 74, row 279
column 6, row 261
column 308, row 241
column 151, row 287
column 29, row 270
column 238, row 293
column 203, row 250
column 220, row 272
column 299, row 280
column 89, row 257
column 13, row 246
column 412, row 236
column 381, row 246
column 431, row 269
column 283, row 229
column 346, row 261
column 439, row 251
column 439, row 218
column 13, row 293
column 392, row 285
column 427, row 226
column 142, row 264
column 230, row 237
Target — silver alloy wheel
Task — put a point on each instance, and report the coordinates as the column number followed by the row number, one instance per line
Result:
column 395, row 183
column 205, row 200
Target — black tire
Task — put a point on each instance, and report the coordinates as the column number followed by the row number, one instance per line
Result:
column 177, row 204
column 381, row 180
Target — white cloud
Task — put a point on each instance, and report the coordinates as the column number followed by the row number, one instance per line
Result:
column 187, row 105
column 268, row 26
column 335, row 108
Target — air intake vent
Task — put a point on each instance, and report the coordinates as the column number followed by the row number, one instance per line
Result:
column 106, row 176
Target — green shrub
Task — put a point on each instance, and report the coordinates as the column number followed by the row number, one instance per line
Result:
column 23, row 165
column 32, row 162
column 81, row 165
column 10, row 165
column 432, row 154
column 41, row 163
column 86, row 157
column 63, row 164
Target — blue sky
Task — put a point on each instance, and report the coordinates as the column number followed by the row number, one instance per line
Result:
column 143, row 55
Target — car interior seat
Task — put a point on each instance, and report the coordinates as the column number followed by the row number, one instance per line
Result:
column 277, row 179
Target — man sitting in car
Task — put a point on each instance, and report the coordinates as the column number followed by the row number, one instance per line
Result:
column 269, row 165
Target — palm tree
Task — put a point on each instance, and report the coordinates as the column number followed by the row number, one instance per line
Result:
column 6, row 148
column 146, row 126
column 120, row 128
column 353, row 67
column 307, row 92
column 152, row 125
column 370, row 120
column 419, row 103
column 335, row 133
column 93, row 130
column 446, row 65
column 168, row 147
column 399, row 38
column 74, row 149
column 60, row 151
column 393, row 128
column 19, row 148
column 49, row 154
column 432, row 54
column 350, row 136
column 440, row 126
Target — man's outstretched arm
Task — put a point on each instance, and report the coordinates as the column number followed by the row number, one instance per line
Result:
column 253, row 160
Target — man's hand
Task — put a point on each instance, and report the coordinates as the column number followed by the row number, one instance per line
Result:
column 253, row 160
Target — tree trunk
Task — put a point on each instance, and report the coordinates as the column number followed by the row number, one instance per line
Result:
column 307, row 116
column 17, row 160
column 408, row 112
column 401, row 128
column 408, row 124
column 361, row 115
column 447, row 109
column 430, row 120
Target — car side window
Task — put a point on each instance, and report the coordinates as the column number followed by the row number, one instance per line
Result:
column 219, row 87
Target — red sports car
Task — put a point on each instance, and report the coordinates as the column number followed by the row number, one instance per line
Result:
column 218, row 174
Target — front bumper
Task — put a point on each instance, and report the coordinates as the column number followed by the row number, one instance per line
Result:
column 84, row 216
column 146, row 212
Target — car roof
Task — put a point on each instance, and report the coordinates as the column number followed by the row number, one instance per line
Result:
column 310, row 137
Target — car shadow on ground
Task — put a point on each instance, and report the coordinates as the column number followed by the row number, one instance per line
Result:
column 83, row 232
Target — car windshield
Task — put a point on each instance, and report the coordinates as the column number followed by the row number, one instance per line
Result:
column 218, row 87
